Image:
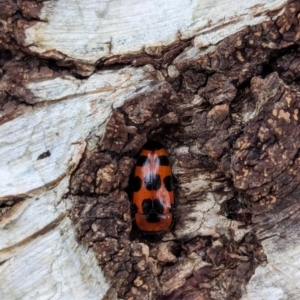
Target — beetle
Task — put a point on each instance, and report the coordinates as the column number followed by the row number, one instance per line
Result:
column 153, row 191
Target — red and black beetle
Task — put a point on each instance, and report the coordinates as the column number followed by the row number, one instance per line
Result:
column 153, row 191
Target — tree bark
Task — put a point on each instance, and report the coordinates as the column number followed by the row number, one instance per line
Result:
column 84, row 84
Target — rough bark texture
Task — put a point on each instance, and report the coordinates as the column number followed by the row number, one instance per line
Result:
column 230, row 114
column 229, row 120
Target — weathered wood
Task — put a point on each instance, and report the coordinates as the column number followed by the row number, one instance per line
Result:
column 85, row 84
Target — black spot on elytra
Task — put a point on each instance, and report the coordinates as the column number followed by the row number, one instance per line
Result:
column 153, row 146
column 146, row 205
column 152, row 182
column 142, row 161
column 162, row 160
column 152, row 206
column 153, row 209
column 168, row 181
column 153, row 217
column 136, row 183
column 158, row 205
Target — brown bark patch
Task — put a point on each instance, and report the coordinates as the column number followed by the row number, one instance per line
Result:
column 226, row 118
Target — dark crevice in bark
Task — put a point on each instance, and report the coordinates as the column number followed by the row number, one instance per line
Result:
column 6, row 206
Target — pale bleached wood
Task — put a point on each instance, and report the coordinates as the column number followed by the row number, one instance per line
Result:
column 38, row 248
column 71, row 109
column 279, row 278
column 40, row 257
column 91, row 30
